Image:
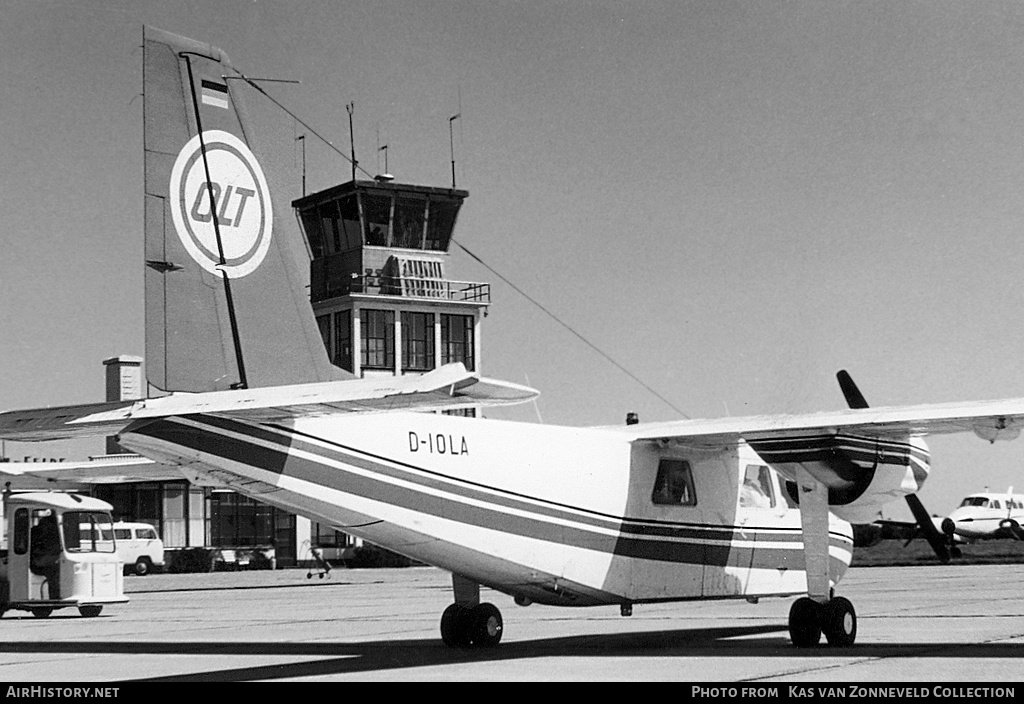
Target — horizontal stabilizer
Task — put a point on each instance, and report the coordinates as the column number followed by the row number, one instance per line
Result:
column 448, row 387
column 113, row 469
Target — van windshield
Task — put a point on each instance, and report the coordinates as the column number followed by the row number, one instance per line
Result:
column 88, row 531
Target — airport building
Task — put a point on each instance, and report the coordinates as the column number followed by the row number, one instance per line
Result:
column 379, row 288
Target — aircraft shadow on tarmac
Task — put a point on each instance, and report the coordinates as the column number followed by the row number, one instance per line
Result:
column 354, row 658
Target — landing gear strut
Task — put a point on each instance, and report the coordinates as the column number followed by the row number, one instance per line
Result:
column 467, row 622
column 836, row 618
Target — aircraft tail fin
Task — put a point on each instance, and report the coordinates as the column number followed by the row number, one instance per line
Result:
column 226, row 268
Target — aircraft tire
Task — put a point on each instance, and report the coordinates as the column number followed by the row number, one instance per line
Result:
column 90, row 610
column 455, row 626
column 805, row 619
column 42, row 612
column 839, row 622
column 486, row 625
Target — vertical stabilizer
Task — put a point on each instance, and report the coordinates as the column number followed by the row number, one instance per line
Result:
column 226, row 304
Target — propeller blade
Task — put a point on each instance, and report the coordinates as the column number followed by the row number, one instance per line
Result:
column 933, row 535
column 854, row 398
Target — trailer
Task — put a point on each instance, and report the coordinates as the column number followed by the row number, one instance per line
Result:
column 61, row 552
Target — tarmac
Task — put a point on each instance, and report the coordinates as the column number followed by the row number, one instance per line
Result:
column 930, row 624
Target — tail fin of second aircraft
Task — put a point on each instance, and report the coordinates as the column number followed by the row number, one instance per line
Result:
column 226, row 304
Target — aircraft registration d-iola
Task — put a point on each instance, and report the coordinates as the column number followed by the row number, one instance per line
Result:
column 744, row 508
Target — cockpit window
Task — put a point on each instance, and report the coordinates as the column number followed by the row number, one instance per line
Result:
column 674, row 484
column 979, row 501
column 756, row 490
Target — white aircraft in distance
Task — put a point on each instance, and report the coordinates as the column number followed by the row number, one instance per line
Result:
column 987, row 515
column 624, row 515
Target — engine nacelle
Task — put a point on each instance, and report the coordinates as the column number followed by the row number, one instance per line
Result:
column 862, row 474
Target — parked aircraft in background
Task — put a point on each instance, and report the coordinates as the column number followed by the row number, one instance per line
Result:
column 695, row 509
column 987, row 515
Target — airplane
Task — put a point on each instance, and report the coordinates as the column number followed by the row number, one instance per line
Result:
column 739, row 507
column 986, row 515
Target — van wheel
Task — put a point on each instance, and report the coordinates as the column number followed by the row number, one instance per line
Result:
column 90, row 611
column 42, row 612
column 142, row 566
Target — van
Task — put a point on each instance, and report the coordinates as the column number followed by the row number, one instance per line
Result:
column 139, row 547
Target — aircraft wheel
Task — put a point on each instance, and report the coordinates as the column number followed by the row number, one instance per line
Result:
column 455, row 626
column 839, row 622
column 42, row 612
column 805, row 619
column 90, row 610
column 485, row 625
column 955, row 552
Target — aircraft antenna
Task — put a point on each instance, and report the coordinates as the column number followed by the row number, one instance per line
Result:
column 565, row 325
column 242, row 382
column 352, row 138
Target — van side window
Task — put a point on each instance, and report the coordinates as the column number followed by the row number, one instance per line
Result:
column 122, row 534
column 21, row 531
column 146, row 534
column 674, row 484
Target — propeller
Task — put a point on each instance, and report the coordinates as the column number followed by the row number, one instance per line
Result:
column 939, row 541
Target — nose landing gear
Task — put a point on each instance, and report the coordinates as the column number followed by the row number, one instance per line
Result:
column 836, row 618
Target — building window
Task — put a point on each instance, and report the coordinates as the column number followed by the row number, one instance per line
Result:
column 238, row 521
column 463, row 412
column 341, row 356
column 377, row 342
column 323, row 536
column 377, row 210
column 417, row 341
column 674, row 484
column 457, row 340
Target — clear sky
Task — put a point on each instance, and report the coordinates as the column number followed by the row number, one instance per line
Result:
column 732, row 199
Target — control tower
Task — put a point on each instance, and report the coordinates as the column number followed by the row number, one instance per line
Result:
column 378, row 279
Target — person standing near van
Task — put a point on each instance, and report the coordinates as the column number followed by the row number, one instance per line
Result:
column 45, row 553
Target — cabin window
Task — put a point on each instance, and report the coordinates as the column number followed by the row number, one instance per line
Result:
column 996, row 503
column 417, row 341
column 756, row 490
column 88, row 531
column 21, row 531
column 674, row 484
column 457, row 340
column 377, row 341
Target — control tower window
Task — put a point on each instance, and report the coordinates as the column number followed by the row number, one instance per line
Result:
column 378, row 219
column 349, row 208
column 311, row 224
column 417, row 341
column 409, row 223
column 330, row 226
column 440, row 224
column 377, row 339
column 457, row 340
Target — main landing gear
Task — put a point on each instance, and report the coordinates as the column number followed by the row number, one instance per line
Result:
column 467, row 622
column 836, row 618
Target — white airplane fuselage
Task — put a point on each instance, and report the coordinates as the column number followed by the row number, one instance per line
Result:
column 988, row 515
column 547, row 514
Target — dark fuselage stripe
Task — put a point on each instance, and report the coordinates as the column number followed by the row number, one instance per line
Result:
column 683, row 544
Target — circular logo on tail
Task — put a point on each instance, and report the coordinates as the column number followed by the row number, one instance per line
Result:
column 234, row 198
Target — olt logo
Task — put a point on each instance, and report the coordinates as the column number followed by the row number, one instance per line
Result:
column 241, row 204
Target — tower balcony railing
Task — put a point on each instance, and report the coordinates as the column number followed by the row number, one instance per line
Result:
column 402, row 287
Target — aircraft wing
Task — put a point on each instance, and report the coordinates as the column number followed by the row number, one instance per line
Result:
column 112, row 469
column 991, row 420
column 450, row 386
